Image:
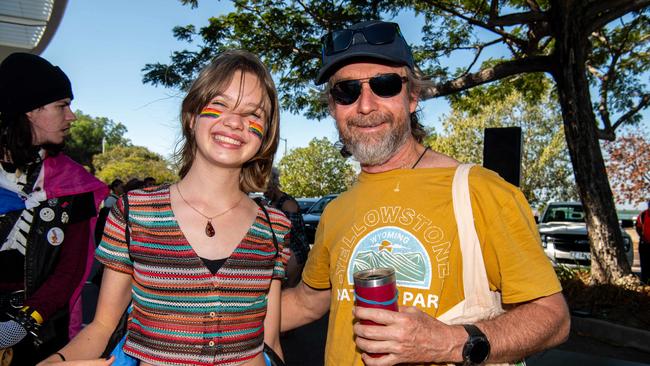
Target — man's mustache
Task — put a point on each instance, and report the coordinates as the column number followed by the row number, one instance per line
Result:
column 370, row 120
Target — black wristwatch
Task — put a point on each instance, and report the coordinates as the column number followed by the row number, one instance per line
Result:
column 477, row 346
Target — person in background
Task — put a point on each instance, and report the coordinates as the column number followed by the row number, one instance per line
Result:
column 402, row 213
column 643, row 229
column 48, row 205
column 133, row 184
column 116, row 190
column 202, row 263
column 298, row 243
column 149, row 181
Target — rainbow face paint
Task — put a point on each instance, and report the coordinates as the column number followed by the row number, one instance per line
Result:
column 256, row 129
column 210, row 113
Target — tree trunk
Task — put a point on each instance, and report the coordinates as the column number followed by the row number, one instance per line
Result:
column 608, row 261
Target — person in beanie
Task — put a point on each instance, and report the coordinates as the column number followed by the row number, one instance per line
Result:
column 474, row 285
column 47, row 209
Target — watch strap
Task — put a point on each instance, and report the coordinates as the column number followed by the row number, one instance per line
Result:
column 475, row 338
column 473, row 330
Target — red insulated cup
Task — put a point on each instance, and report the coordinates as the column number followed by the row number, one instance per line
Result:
column 375, row 288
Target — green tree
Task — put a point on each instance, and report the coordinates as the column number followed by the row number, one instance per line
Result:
column 126, row 162
column 315, row 170
column 87, row 134
column 581, row 44
column 546, row 169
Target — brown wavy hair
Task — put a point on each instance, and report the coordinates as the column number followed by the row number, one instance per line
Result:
column 213, row 81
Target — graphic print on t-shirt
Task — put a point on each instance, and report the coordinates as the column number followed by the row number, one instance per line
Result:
column 393, row 247
column 401, row 238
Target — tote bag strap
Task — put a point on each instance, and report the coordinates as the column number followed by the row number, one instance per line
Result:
column 475, row 282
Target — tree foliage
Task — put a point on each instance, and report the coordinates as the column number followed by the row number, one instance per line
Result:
column 628, row 167
column 546, row 169
column 286, row 35
column 581, row 44
column 126, row 162
column 87, row 134
column 315, row 170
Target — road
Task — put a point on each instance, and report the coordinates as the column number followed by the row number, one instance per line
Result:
column 305, row 347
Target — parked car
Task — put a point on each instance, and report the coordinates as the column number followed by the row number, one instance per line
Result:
column 312, row 216
column 564, row 235
column 305, row 203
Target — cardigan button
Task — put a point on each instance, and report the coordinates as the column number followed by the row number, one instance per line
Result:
column 211, row 343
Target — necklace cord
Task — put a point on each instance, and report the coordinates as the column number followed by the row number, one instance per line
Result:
column 209, row 218
column 420, row 158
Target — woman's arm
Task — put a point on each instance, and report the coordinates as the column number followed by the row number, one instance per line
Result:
column 114, row 296
column 272, row 321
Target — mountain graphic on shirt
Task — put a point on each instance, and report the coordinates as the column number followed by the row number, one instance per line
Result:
column 408, row 266
column 394, row 247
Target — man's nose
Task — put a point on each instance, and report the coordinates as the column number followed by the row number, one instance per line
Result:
column 69, row 114
column 367, row 101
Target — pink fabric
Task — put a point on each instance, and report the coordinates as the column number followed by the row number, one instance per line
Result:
column 64, row 177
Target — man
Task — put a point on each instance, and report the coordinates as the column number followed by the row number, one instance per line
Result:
column 117, row 189
column 643, row 229
column 400, row 212
column 47, row 211
column 299, row 246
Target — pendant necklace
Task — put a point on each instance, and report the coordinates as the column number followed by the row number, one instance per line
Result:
column 420, row 157
column 209, row 229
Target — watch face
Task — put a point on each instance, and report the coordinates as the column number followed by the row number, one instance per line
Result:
column 479, row 352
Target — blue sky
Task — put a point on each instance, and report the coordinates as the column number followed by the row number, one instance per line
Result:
column 103, row 46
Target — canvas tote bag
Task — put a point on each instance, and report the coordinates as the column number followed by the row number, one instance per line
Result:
column 480, row 303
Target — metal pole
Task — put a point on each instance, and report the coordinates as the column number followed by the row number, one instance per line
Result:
column 285, row 146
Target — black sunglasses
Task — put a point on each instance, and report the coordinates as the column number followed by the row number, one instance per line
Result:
column 347, row 92
column 341, row 40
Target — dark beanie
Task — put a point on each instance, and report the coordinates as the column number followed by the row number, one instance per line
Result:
column 28, row 81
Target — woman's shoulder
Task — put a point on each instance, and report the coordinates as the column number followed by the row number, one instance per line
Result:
column 277, row 217
column 148, row 196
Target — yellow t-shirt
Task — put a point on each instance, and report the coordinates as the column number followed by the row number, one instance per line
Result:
column 404, row 219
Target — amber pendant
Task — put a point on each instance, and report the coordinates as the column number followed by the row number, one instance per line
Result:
column 209, row 229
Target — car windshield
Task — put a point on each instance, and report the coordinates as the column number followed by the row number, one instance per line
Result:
column 565, row 213
column 319, row 206
column 305, row 203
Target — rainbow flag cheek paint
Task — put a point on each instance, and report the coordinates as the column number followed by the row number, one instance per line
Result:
column 210, row 113
column 256, row 129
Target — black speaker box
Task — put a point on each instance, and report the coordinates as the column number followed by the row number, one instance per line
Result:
column 502, row 151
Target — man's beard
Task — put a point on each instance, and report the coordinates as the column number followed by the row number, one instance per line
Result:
column 372, row 149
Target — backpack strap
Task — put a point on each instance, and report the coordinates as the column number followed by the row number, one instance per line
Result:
column 268, row 220
column 127, row 230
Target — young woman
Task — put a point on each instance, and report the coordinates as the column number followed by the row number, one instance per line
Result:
column 199, row 263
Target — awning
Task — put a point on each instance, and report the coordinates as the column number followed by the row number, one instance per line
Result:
column 28, row 25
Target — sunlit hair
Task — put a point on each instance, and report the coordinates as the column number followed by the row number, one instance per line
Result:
column 415, row 82
column 212, row 81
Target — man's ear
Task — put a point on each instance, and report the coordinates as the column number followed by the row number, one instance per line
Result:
column 330, row 106
column 414, row 99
